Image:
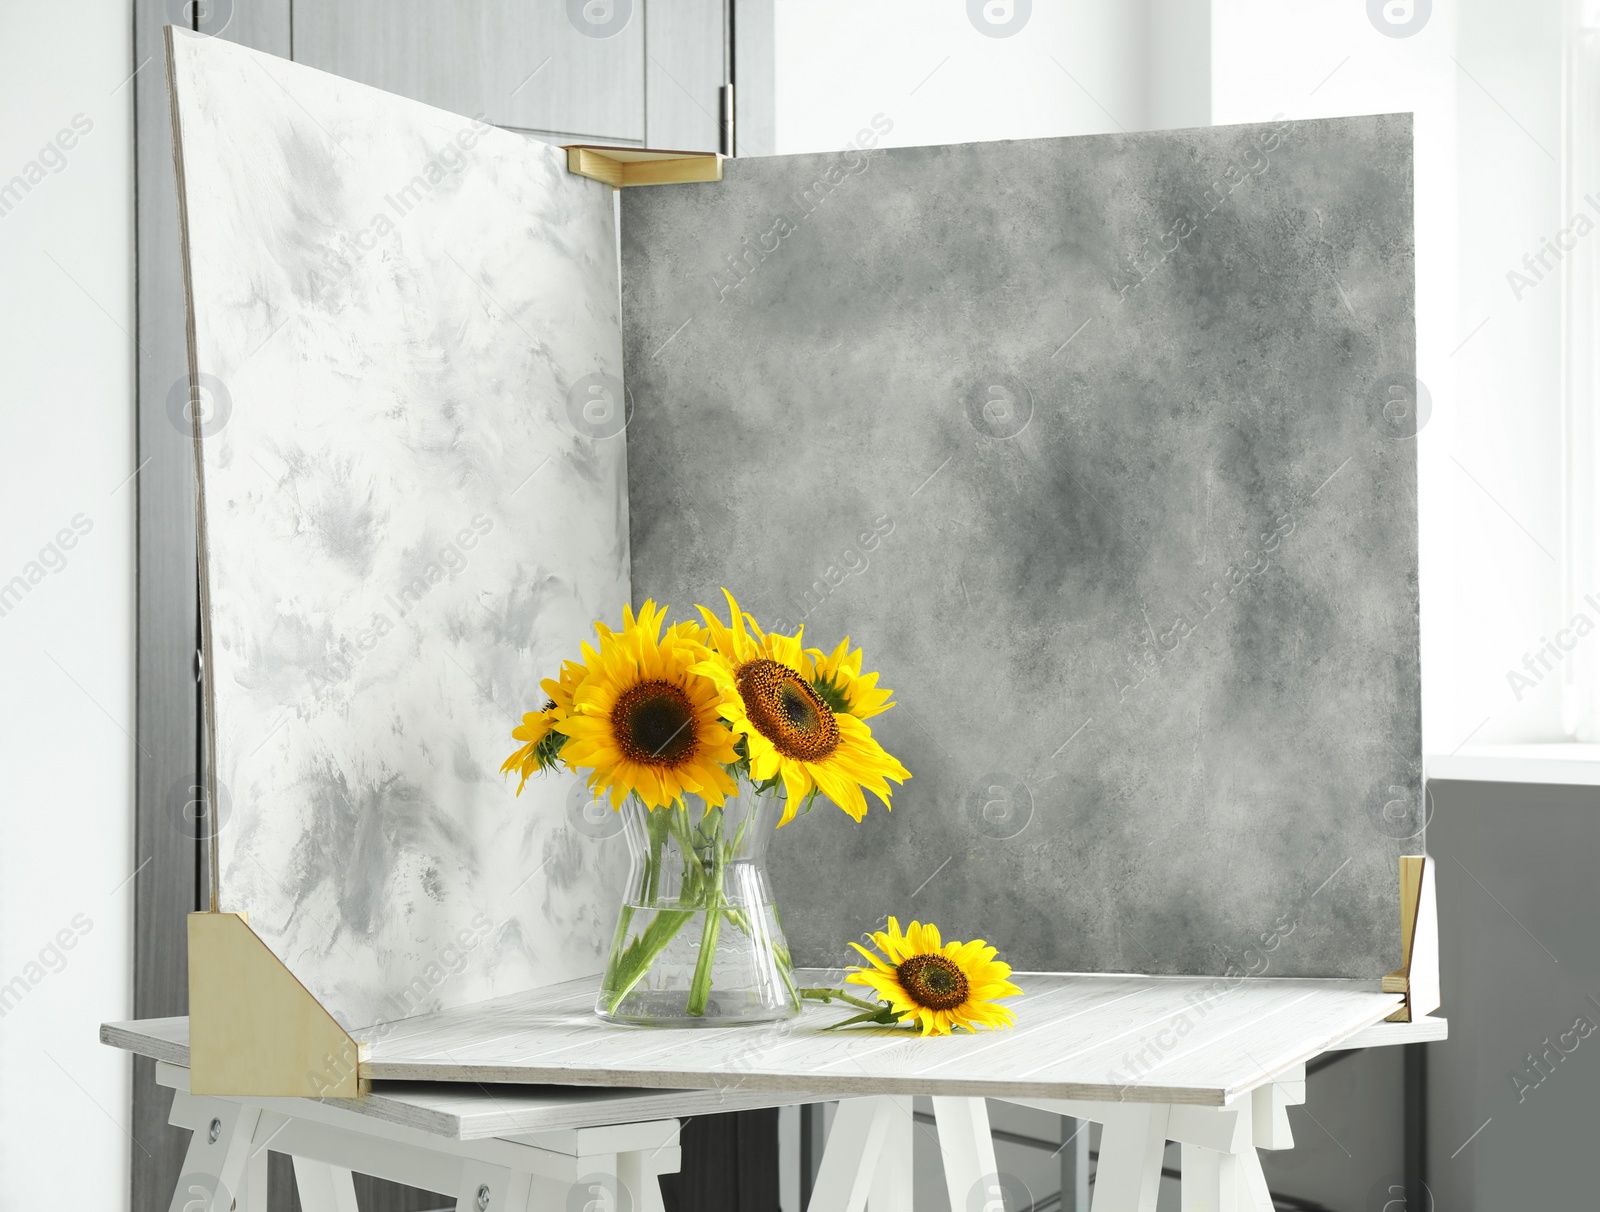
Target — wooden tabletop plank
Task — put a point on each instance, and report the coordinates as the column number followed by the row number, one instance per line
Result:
column 1135, row 1038
column 473, row 1111
column 540, row 1060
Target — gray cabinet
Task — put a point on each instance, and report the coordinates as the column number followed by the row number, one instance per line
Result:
column 570, row 67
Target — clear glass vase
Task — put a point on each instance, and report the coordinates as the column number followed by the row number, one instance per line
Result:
column 698, row 942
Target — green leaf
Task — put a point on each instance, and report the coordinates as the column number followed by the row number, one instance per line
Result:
column 885, row 1016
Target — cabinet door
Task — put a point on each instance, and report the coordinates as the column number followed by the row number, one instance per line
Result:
column 686, row 63
column 569, row 67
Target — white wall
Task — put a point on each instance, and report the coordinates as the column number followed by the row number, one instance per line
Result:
column 1508, row 548
column 1069, row 70
column 1484, row 80
column 1320, row 58
column 66, row 647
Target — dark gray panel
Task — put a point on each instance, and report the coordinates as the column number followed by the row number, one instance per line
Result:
column 557, row 65
column 1086, row 440
column 166, row 832
column 1520, row 964
column 1348, row 1136
column 164, row 842
column 266, row 25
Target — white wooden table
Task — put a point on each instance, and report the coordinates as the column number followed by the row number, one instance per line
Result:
column 1207, row 1062
column 555, row 1147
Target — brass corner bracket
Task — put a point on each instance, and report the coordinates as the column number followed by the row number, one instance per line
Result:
column 1418, row 975
column 621, row 167
column 254, row 1029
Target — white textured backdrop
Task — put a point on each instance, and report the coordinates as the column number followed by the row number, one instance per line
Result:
column 408, row 348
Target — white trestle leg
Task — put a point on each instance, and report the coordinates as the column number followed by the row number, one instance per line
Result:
column 489, row 1188
column 214, row 1166
column 323, row 1187
column 850, row 1159
column 254, row 1196
column 602, row 1168
column 640, row 1173
column 1222, row 1172
column 891, row 1178
column 1223, row 1182
column 968, row 1150
column 1133, row 1138
column 1221, row 1169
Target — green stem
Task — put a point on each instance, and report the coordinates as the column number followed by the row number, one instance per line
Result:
column 700, row 985
column 616, row 954
column 693, row 871
column 702, row 890
column 642, row 952
column 658, row 826
column 830, row 995
column 786, row 970
column 735, row 915
column 629, row 965
column 872, row 1016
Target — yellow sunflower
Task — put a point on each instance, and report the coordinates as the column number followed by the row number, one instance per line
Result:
column 837, row 677
column 537, row 727
column 790, row 730
column 937, row 986
column 650, row 617
column 644, row 721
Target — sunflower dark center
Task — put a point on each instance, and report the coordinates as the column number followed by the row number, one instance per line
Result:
column 654, row 724
column 787, row 711
column 933, row 981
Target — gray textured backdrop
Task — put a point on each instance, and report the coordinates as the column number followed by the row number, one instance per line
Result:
column 1103, row 448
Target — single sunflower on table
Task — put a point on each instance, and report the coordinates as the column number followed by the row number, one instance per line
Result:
column 791, row 731
column 936, row 985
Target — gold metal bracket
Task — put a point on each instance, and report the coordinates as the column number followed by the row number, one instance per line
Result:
column 620, row 167
column 1418, row 975
column 254, row 1029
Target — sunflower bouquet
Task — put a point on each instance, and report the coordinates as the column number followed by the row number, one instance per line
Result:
column 702, row 734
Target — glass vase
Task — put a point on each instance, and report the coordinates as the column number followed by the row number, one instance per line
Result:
column 698, row 942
